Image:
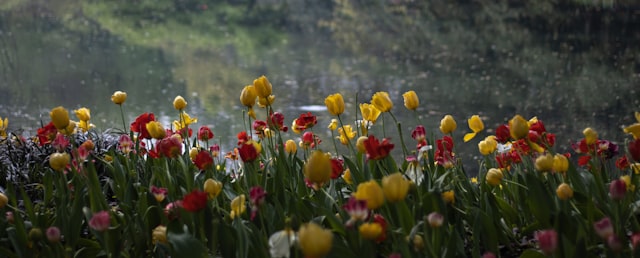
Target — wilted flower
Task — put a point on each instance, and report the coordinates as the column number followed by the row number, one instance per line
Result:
column 314, row 240
column 194, row 201
column 280, row 243
column 448, row 124
column 346, row 134
column 335, row 104
column 357, row 210
column 411, row 100
column 212, row 188
column 333, row 125
column 547, row 241
column 159, row 235
column 494, row 177
column 382, row 101
column 318, row 168
column 100, row 221
column 564, row 191
column 476, row 125
column 304, row 122
column 395, row 187
column 118, row 97
column 59, row 117
column 372, row 193
column 238, row 206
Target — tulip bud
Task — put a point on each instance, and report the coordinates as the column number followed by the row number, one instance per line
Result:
column 449, row 196
column 590, row 135
column 35, row 234
column 58, row 161
column 53, row 234
column 617, row 189
column 159, row 235
column 155, row 130
column 370, row 231
column 314, row 240
column 118, row 97
column 560, row 163
column 318, row 168
column 290, row 146
column 518, row 127
column 411, row 100
column 494, row 177
column 547, row 241
column 544, row 163
column 248, row 96
column 435, row 219
column 371, row 192
column 212, row 188
column 564, row 192
column 395, row 187
column 448, row 124
column 335, row 104
column 360, row 144
column 83, row 114
column 382, row 101
column 179, row 103
column 59, row 117
column 3, row 200
column 262, row 86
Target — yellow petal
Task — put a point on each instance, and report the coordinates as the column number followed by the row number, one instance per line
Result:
column 469, row 136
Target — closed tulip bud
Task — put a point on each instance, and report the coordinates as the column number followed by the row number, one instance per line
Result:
column 382, row 101
column 590, row 135
column 212, row 188
column 290, row 147
column 314, row 240
column 547, row 241
column 544, row 163
column 449, row 197
column 3, row 200
column 617, row 189
column 53, row 234
column 418, row 242
column 83, row 114
column 262, row 87
column 335, row 104
column 118, row 97
column 35, row 234
column 435, row 219
column 360, row 144
column 448, row 124
column 518, row 127
column 179, row 103
column 159, row 235
column 564, row 192
column 371, row 192
column 248, row 96
column 58, row 161
column 370, row 231
column 318, row 168
column 395, row 187
column 59, row 117
column 238, row 206
column 411, row 100
column 560, row 163
column 494, row 177
column 156, row 130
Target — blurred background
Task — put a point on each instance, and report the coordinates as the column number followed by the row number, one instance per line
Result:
column 572, row 63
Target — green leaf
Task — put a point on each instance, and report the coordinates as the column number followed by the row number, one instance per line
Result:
column 532, row 253
column 185, row 245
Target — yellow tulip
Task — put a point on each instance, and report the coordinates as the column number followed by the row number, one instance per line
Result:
column 395, row 187
column 360, row 144
column 238, row 206
column 449, row 197
column 3, row 200
column 193, row 153
column 347, row 176
column 564, row 192
column 85, row 125
column 262, row 86
column 58, row 161
column 84, row 114
column 634, row 130
column 318, row 168
column 119, row 97
column 494, row 177
column 248, row 96
column 333, row 125
column 212, row 188
column 179, row 103
column 627, row 182
column 3, row 127
column 488, row 145
column 346, row 133
column 448, row 124
column 382, row 101
column 335, row 104
column 476, row 125
column 518, row 127
column 263, row 102
column 70, row 129
column 314, row 241
column 156, row 130
column 159, row 235
column 370, row 230
column 369, row 112
column 371, row 192
column 560, row 163
column 411, row 100
column 544, row 163
column 184, row 121
column 590, row 135
column 59, row 117
column 290, row 147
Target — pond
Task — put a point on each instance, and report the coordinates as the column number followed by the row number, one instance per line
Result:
column 77, row 53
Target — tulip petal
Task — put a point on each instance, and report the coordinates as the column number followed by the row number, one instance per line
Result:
column 469, row 136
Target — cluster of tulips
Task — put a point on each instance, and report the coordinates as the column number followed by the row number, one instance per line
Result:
column 161, row 191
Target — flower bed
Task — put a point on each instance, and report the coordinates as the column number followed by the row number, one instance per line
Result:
column 156, row 190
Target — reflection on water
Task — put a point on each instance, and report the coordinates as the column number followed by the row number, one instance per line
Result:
column 78, row 55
